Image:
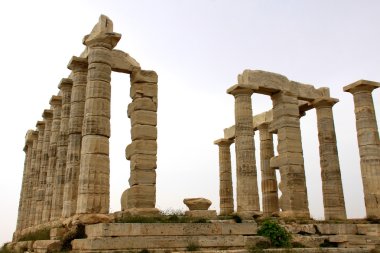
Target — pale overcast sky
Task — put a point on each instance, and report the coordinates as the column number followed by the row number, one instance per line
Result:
column 197, row 47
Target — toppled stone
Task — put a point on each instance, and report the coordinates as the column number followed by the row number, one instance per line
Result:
column 197, row 203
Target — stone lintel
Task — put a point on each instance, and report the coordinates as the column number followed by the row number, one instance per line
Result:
column 77, row 63
column 65, row 83
column 47, row 114
column 123, row 62
column 361, row 85
column 109, row 39
column 40, row 124
column 55, row 100
column 224, row 142
column 304, row 106
column 242, row 89
column 323, row 102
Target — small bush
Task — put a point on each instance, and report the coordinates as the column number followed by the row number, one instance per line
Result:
column 278, row 236
column 192, row 246
column 43, row 234
column 4, row 249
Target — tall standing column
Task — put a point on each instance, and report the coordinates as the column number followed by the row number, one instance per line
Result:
column 32, row 181
column 286, row 122
column 369, row 144
column 48, row 118
column 333, row 198
column 65, row 87
column 22, row 217
column 225, row 177
column 268, row 174
column 246, row 175
column 56, row 103
column 41, row 133
column 93, row 195
column 79, row 69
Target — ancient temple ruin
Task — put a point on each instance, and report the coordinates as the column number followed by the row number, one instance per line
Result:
column 66, row 171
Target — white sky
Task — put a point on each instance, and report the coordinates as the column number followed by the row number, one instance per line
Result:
column 197, row 47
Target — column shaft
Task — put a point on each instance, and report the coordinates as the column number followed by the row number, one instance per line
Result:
column 32, row 182
column 225, row 177
column 333, row 198
column 268, row 174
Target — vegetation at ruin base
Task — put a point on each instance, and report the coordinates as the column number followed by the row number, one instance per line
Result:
column 192, row 247
column 4, row 249
column 43, row 234
column 278, row 236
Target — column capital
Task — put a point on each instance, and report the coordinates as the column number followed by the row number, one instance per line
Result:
column 29, row 137
column 324, row 102
column 224, row 142
column 77, row 63
column 361, row 85
column 263, row 126
column 240, row 89
column 65, row 83
column 55, row 100
column 47, row 114
column 40, row 125
column 107, row 39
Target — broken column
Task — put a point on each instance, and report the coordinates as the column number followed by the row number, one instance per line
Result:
column 56, row 103
column 48, row 118
column 286, row 122
column 333, row 198
column 225, row 177
column 142, row 152
column 93, row 190
column 41, row 132
column 79, row 67
column 369, row 144
column 268, row 174
column 246, row 175
column 58, row 182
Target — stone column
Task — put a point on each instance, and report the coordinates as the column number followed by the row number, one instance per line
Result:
column 33, row 180
column 286, row 122
column 141, row 196
column 333, row 198
column 79, row 69
column 369, row 144
column 65, row 86
column 22, row 215
column 48, row 118
column 246, row 175
column 56, row 103
column 93, row 191
column 225, row 177
column 41, row 133
column 268, row 174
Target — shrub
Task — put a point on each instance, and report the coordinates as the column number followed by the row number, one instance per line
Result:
column 43, row 234
column 278, row 236
column 4, row 249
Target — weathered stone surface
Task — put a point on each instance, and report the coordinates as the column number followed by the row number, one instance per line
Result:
column 143, row 161
column 294, row 228
column 337, row 229
column 139, row 176
column 144, row 76
column 141, row 196
column 197, row 203
column 142, row 147
column 92, row 218
column 57, row 233
column 142, row 117
column 139, row 90
column 143, row 132
column 368, row 229
column 205, row 214
column 46, row 246
column 123, row 62
column 146, row 104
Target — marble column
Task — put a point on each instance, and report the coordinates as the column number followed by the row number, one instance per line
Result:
column 225, row 177
column 142, row 152
column 246, row 175
column 268, row 174
column 79, row 69
column 333, row 198
column 48, row 118
column 286, row 122
column 41, row 133
column 93, row 191
column 65, row 87
column 56, row 104
column 22, row 215
column 32, row 181
column 369, row 144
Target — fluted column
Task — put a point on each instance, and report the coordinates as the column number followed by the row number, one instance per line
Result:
column 369, row 144
column 56, row 103
column 65, row 87
column 48, row 117
column 32, row 181
column 79, row 69
column 41, row 132
column 22, row 212
column 246, row 175
column 268, row 174
column 286, row 122
column 333, row 198
column 225, row 177
column 93, row 191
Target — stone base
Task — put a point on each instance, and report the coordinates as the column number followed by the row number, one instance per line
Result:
column 44, row 246
column 145, row 212
column 90, row 218
column 249, row 215
column 206, row 214
column 295, row 214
